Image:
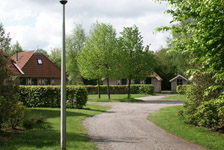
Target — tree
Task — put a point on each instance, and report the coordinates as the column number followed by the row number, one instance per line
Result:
column 101, row 52
column 138, row 63
column 16, row 48
column 203, row 37
column 74, row 44
column 55, row 56
column 4, row 40
column 164, row 67
column 43, row 52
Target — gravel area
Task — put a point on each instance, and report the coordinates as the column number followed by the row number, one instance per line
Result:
column 125, row 127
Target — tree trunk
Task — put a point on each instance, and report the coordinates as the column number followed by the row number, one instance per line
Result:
column 108, row 88
column 129, row 88
column 99, row 88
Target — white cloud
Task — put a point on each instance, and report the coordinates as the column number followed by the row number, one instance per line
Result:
column 38, row 23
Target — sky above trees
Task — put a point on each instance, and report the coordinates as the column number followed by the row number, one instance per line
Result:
column 37, row 23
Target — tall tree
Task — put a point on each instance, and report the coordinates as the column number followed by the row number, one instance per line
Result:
column 55, row 56
column 5, row 40
column 102, row 49
column 203, row 37
column 138, row 63
column 16, row 48
column 74, row 44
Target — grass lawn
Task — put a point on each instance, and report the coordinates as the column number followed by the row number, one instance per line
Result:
column 168, row 119
column 176, row 97
column 116, row 98
column 47, row 135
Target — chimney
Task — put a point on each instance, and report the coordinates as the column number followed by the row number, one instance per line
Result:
column 16, row 55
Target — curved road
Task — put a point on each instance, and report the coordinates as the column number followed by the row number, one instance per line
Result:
column 125, row 127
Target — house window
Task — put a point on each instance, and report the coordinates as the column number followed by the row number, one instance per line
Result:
column 22, row 81
column 34, row 81
column 148, row 81
column 39, row 61
column 179, row 81
column 47, row 81
column 137, row 82
column 123, row 81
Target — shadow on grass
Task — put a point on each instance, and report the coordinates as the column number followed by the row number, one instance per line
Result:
column 41, row 139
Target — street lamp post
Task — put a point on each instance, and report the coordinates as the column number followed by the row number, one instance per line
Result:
column 63, row 83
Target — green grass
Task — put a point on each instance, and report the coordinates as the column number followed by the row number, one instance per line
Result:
column 116, row 98
column 169, row 92
column 47, row 135
column 176, row 97
column 168, row 119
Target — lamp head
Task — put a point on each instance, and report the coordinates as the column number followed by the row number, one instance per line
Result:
column 63, row 2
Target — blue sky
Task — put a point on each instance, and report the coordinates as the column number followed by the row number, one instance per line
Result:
column 37, row 23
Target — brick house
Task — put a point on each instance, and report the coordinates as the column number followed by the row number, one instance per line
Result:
column 154, row 79
column 178, row 80
column 37, row 69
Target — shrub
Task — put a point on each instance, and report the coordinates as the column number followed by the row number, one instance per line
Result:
column 49, row 96
column 210, row 114
column 146, row 89
column 204, row 108
column 182, row 89
column 17, row 115
column 31, row 120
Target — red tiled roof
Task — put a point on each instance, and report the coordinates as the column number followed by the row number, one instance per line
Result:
column 27, row 61
column 23, row 57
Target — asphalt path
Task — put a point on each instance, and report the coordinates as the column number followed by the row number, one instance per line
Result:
column 125, row 127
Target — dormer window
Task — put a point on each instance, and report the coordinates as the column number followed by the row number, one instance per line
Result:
column 39, row 61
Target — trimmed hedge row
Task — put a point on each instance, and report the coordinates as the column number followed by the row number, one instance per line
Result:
column 50, row 96
column 121, row 89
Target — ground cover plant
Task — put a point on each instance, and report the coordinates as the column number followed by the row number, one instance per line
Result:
column 47, row 135
column 116, row 98
column 168, row 119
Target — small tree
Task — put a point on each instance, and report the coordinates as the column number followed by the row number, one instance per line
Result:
column 138, row 63
column 55, row 56
column 74, row 44
column 16, row 48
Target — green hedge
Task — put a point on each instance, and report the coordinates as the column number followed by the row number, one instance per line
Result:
column 121, row 89
column 182, row 89
column 49, row 96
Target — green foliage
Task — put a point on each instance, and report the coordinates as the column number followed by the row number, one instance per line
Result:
column 74, row 44
column 55, row 56
column 146, row 89
column 49, row 96
column 32, row 120
column 182, row 89
column 16, row 48
column 210, row 114
column 136, row 63
column 199, row 106
column 202, row 37
column 122, row 89
column 4, row 40
column 164, row 67
column 16, row 115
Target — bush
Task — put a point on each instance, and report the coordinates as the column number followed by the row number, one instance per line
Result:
column 182, row 89
column 49, row 96
column 204, row 108
column 120, row 89
column 31, row 120
column 146, row 90
column 210, row 114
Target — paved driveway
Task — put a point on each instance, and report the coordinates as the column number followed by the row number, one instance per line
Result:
column 125, row 127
